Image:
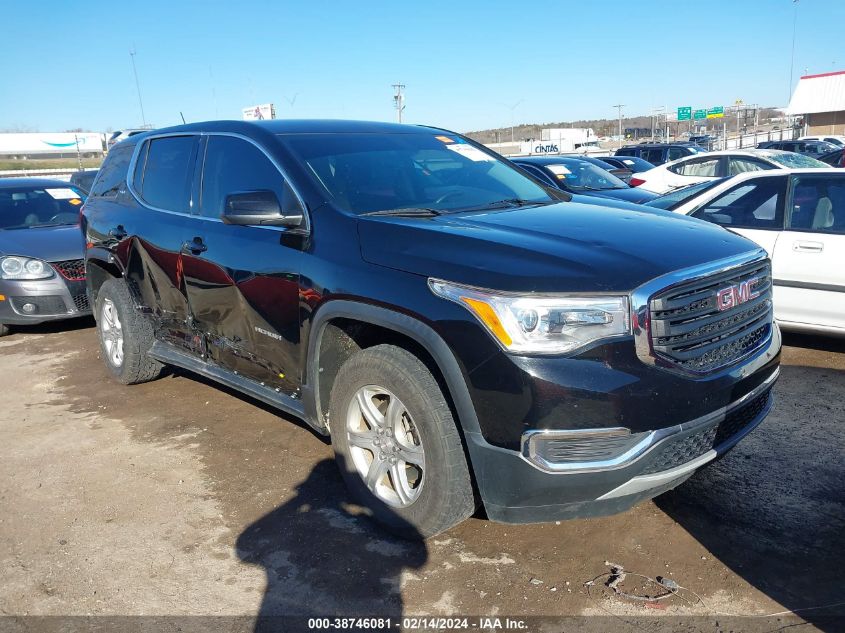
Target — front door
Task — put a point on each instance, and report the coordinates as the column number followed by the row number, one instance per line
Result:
column 243, row 289
column 809, row 258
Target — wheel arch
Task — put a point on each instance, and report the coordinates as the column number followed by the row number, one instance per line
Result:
column 97, row 272
column 341, row 327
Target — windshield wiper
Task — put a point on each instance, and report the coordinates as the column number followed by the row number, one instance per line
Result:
column 407, row 212
column 507, row 203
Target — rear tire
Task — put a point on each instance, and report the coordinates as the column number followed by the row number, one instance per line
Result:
column 4, row 329
column 406, row 444
column 126, row 336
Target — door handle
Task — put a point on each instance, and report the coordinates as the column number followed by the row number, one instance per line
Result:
column 194, row 246
column 807, row 247
column 118, row 232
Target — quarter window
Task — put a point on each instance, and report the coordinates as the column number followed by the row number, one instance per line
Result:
column 751, row 205
column 235, row 165
column 818, row 205
column 169, row 173
column 112, row 174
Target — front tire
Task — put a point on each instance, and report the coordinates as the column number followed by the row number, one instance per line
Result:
column 4, row 329
column 125, row 335
column 397, row 444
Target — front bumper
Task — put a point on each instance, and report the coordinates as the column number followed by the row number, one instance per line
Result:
column 52, row 300
column 517, row 488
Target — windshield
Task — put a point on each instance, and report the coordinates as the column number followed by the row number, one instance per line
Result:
column 791, row 159
column 676, row 198
column 580, row 175
column 365, row 173
column 30, row 207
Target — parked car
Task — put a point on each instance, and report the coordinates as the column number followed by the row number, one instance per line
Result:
column 808, row 148
column 83, row 179
column 835, row 158
column 633, row 163
column 714, row 165
column 120, row 135
column 622, row 173
column 575, row 175
column 703, row 140
column 798, row 216
column 834, row 139
column 459, row 330
column 659, row 153
column 42, row 272
column 676, row 197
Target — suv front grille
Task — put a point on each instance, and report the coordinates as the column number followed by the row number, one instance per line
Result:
column 72, row 269
column 710, row 323
column 696, row 444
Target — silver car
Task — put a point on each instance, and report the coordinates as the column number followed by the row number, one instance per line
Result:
column 42, row 270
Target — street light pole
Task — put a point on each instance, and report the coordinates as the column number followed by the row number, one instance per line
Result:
column 619, row 107
column 792, row 57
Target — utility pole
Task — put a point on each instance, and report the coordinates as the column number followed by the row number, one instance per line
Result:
column 137, row 85
column 512, row 108
column 792, row 57
column 619, row 107
column 399, row 100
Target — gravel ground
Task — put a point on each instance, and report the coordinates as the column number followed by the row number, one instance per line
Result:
column 180, row 498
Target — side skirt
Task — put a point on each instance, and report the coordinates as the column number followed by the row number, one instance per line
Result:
column 166, row 353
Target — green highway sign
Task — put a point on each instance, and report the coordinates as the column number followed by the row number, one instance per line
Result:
column 699, row 114
column 716, row 113
column 684, row 113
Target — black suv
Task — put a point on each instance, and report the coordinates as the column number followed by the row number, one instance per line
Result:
column 659, row 153
column 465, row 335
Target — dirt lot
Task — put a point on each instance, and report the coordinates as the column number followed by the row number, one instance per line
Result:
column 177, row 497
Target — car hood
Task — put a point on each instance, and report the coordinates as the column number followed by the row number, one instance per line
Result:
column 631, row 194
column 563, row 247
column 50, row 243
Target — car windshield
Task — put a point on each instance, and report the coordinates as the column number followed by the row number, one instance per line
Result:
column 579, row 175
column 676, row 198
column 790, row 159
column 29, row 207
column 366, row 173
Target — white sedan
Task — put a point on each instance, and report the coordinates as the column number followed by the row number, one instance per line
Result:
column 798, row 216
column 713, row 165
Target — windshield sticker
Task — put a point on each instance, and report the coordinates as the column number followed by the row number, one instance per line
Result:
column 75, row 201
column 559, row 170
column 445, row 139
column 628, row 162
column 62, row 194
column 473, row 153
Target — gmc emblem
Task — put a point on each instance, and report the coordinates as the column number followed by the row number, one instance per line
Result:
column 735, row 295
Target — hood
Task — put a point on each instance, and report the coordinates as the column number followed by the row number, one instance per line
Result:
column 564, row 247
column 631, row 194
column 50, row 243
column 605, row 202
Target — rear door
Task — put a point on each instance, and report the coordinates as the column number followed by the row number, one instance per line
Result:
column 162, row 180
column 243, row 288
column 809, row 259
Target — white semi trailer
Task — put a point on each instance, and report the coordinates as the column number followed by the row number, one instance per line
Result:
column 51, row 144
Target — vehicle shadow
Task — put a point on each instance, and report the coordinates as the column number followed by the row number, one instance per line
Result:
column 321, row 560
column 815, row 342
column 773, row 509
column 54, row 327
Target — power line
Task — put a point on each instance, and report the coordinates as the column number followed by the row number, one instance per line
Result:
column 137, row 85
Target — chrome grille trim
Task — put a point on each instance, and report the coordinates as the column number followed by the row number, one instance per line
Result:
column 677, row 326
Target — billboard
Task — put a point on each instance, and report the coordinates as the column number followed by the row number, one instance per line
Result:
column 262, row 112
column 51, row 143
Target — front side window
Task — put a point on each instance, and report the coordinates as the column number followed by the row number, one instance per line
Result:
column 818, row 204
column 168, row 173
column 751, row 205
column 367, row 172
column 112, row 174
column 742, row 165
column 700, row 167
column 233, row 165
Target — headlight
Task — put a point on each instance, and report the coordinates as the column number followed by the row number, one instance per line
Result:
column 12, row 267
column 545, row 324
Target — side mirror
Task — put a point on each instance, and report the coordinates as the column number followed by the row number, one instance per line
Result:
column 257, row 208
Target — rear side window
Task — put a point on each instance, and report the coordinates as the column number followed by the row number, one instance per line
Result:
column 676, row 152
column 233, row 165
column 654, row 155
column 112, row 174
column 169, row 173
column 625, row 152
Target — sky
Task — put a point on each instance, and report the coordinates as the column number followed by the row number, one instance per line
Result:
column 467, row 64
